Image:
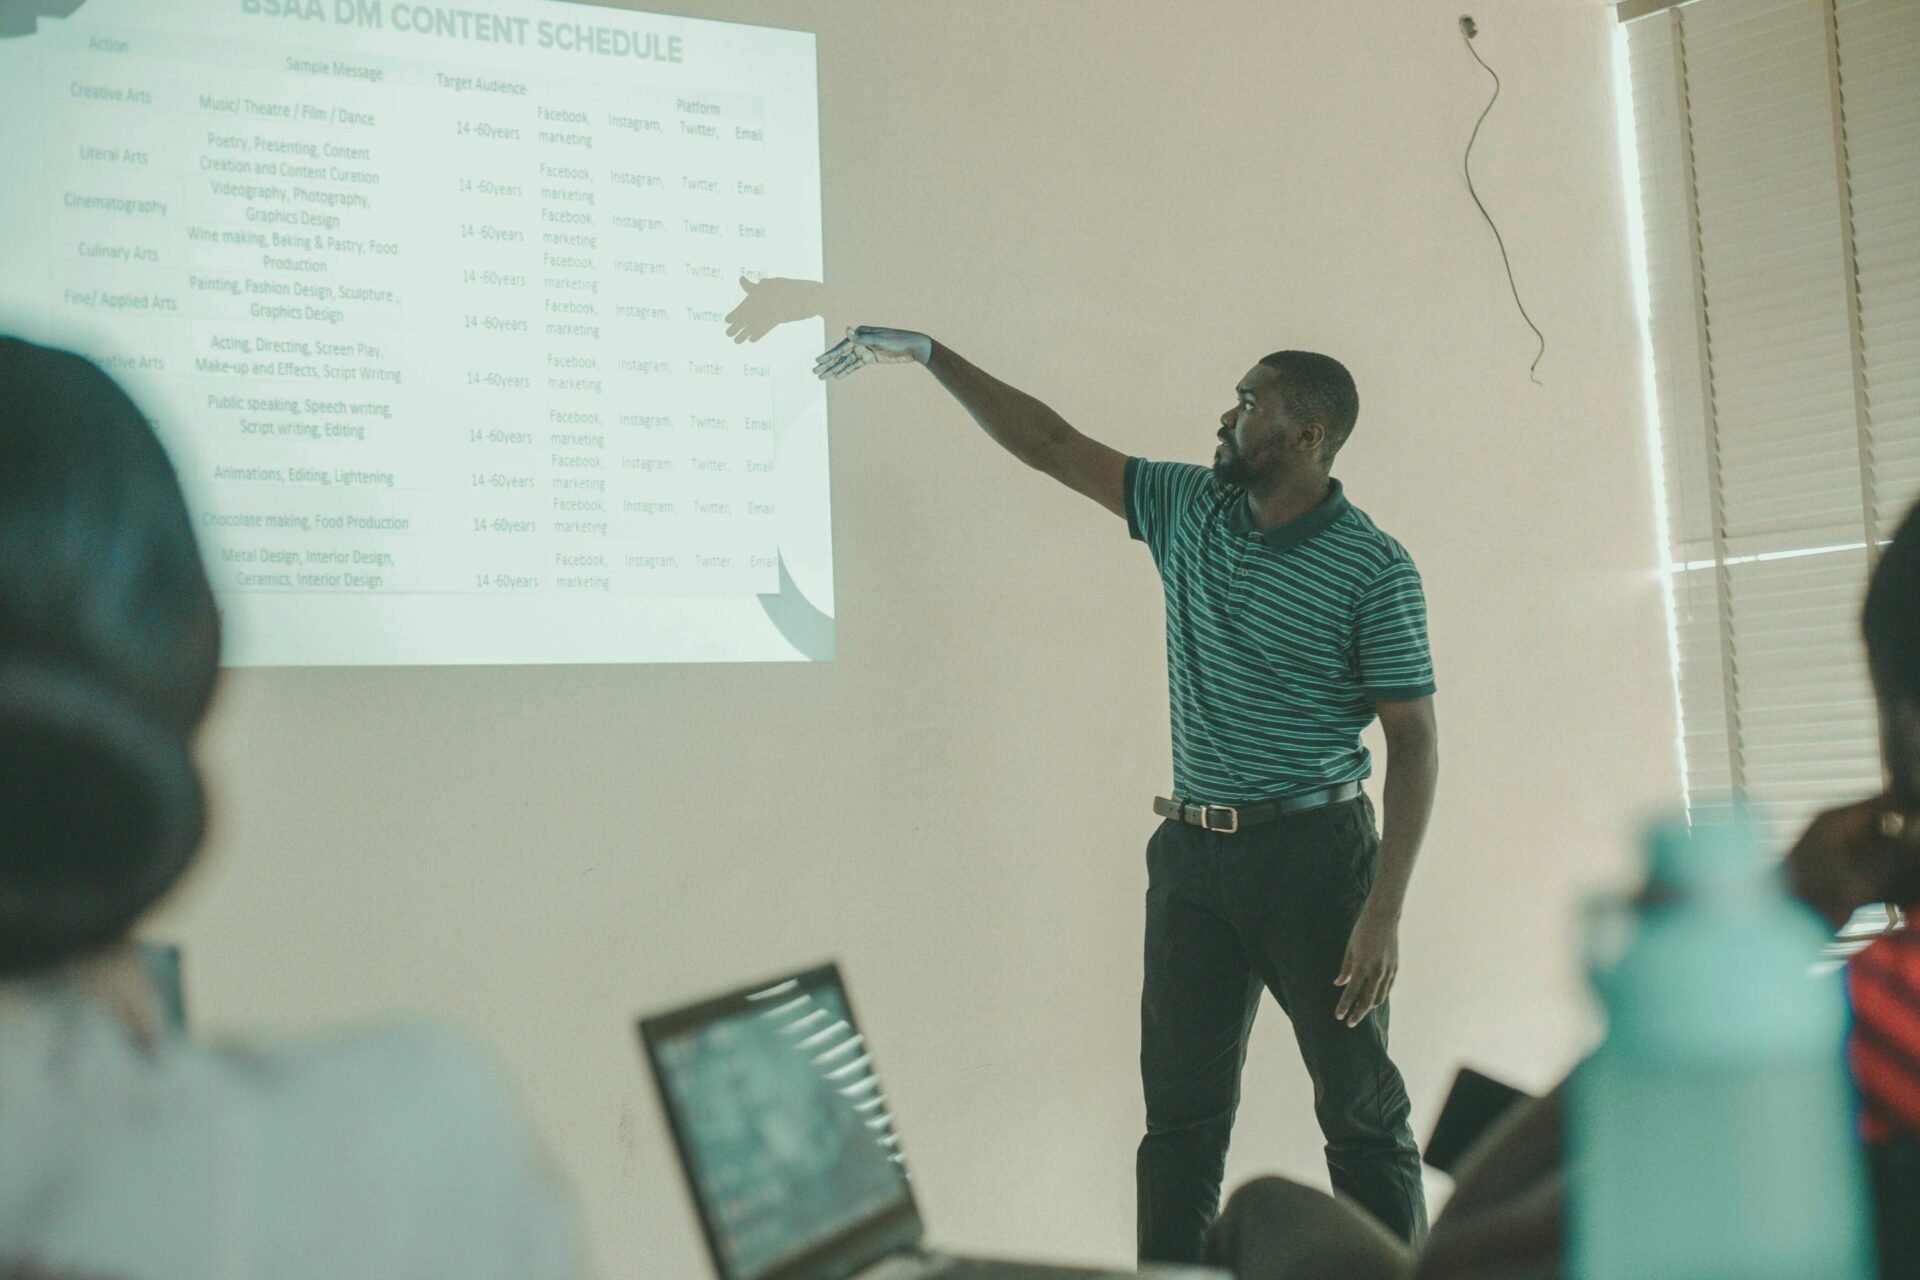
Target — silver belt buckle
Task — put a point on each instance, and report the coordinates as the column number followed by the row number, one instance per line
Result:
column 1206, row 818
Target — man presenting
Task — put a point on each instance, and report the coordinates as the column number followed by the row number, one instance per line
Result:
column 1292, row 621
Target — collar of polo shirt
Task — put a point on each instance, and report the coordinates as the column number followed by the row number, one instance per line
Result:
column 1295, row 531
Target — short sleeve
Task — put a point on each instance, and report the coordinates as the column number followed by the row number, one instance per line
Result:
column 1390, row 629
column 1157, row 493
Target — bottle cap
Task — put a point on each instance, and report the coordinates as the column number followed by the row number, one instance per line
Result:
column 1717, row 849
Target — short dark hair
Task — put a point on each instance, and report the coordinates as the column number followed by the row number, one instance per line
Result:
column 109, row 649
column 1317, row 388
column 1891, row 618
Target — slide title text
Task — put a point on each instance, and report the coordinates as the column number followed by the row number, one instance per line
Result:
column 476, row 25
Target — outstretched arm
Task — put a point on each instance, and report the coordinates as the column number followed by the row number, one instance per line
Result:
column 1020, row 424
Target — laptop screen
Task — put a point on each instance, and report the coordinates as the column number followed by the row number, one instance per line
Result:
column 782, row 1122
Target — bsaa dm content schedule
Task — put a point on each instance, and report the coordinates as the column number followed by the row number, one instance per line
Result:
column 435, row 297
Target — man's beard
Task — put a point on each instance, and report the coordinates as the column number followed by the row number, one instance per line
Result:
column 1229, row 468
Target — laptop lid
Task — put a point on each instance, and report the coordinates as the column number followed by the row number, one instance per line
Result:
column 783, row 1130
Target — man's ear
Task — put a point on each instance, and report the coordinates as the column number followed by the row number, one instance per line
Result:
column 1312, row 437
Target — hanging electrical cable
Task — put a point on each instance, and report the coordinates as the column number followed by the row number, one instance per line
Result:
column 1468, row 30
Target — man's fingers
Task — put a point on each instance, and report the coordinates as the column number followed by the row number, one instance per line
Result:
column 840, row 368
column 1364, row 990
column 1358, row 1005
column 1372, row 1002
column 831, row 358
column 1377, row 996
column 1349, row 993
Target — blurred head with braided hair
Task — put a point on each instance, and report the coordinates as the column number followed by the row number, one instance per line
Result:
column 109, row 648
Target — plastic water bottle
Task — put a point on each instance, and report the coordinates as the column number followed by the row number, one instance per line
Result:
column 1712, row 1135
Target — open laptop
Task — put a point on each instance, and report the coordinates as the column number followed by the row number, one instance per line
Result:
column 788, row 1145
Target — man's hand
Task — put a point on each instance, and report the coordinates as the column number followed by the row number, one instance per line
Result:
column 1372, row 963
column 1854, row 855
column 867, row 345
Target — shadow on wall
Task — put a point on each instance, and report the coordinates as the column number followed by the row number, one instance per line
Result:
column 769, row 303
column 22, row 19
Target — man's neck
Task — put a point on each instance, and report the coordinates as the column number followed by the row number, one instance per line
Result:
column 1290, row 498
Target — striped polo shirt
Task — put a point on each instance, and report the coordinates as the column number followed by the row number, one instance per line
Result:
column 1279, row 643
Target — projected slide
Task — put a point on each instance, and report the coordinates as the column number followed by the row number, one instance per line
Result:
column 427, row 302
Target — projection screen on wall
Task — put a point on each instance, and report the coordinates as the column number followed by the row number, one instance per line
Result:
column 427, row 300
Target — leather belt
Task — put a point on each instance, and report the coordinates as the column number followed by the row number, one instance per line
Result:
column 1226, row 819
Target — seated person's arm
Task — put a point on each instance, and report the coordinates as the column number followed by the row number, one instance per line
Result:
column 1507, row 1214
column 1521, row 1238
column 1852, row 856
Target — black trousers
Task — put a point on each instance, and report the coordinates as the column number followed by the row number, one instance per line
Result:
column 1227, row 915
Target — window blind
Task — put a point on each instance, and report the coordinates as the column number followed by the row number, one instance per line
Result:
column 1778, row 146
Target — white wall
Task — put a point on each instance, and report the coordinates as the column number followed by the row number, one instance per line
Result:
column 1119, row 208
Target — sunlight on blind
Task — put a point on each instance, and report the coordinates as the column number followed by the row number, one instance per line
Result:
column 1778, row 149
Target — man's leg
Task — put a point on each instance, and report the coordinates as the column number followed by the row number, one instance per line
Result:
column 1196, row 1006
column 1362, row 1106
column 1301, row 915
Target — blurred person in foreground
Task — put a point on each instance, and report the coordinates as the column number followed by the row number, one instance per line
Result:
column 1869, row 852
column 124, row 1152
